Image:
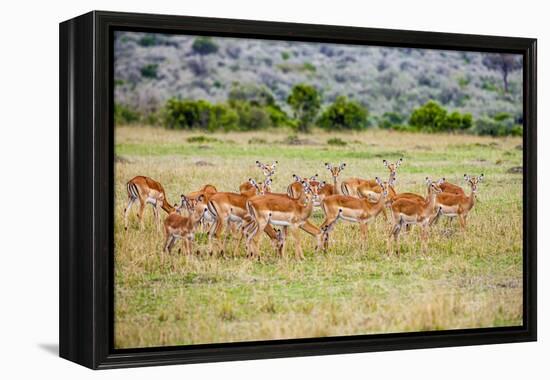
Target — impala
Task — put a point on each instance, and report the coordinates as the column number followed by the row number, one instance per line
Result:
column 146, row 191
column 407, row 211
column 294, row 190
column 367, row 187
column 454, row 205
column 335, row 172
column 351, row 209
column 268, row 170
column 448, row 187
column 297, row 192
column 229, row 207
column 279, row 211
column 177, row 226
column 207, row 191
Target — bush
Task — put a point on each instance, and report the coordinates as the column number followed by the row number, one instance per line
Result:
column 125, row 115
column 344, row 114
column 251, row 116
column 432, row 117
column 389, row 119
column 150, row 71
column 204, row 46
column 493, row 127
column 187, row 114
column 336, row 141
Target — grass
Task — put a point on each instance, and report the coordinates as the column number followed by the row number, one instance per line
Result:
column 465, row 280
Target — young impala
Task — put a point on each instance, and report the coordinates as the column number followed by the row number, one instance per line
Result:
column 146, row 191
column 454, row 205
column 278, row 210
column 407, row 211
column 351, row 209
column 207, row 191
column 367, row 187
column 177, row 226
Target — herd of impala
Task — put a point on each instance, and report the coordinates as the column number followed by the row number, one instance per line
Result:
column 255, row 209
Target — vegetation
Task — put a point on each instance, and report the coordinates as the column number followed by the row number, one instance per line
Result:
column 431, row 117
column 305, row 101
column 344, row 114
column 465, row 280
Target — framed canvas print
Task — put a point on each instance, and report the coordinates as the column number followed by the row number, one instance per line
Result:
column 238, row 189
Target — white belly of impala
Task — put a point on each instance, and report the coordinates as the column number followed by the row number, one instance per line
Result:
column 282, row 223
column 449, row 210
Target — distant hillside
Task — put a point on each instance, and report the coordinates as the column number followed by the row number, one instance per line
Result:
column 151, row 68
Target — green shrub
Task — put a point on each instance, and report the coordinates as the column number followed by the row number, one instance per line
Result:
column 491, row 127
column 148, row 40
column 456, row 121
column 125, row 115
column 187, row 114
column 344, row 114
column 150, row 71
column 204, row 46
column 432, row 117
column 285, row 55
column 389, row 119
column 250, row 116
column 336, row 141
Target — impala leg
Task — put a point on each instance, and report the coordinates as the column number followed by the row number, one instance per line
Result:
column 140, row 212
column 364, row 234
column 256, row 239
column 157, row 215
column 327, row 226
column 127, row 211
column 462, row 220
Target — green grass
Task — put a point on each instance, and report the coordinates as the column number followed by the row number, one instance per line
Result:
column 465, row 280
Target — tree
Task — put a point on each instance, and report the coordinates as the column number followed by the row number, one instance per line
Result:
column 305, row 101
column 204, row 46
column 344, row 114
column 505, row 63
column 430, row 116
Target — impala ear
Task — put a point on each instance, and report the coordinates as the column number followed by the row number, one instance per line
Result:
column 480, row 178
column 252, row 181
column 275, row 163
column 258, row 163
column 314, row 177
column 342, row 165
column 322, row 184
column 440, row 181
column 428, row 180
column 296, row 178
column 385, row 162
column 399, row 162
column 378, row 181
column 328, row 166
column 466, row 177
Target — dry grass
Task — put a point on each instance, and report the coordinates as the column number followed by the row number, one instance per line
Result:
column 465, row 280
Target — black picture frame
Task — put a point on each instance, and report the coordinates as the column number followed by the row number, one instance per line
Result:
column 87, row 176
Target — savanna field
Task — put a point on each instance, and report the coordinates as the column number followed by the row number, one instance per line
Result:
column 465, row 280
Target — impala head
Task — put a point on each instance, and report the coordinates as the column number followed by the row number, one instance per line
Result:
column 433, row 187
column 391, row 181
column 335, row 170
column 441, row 181
column 392, row 167
column 268, row 170
column 266, row 186
column 473, row 181
column 384, row 186
column 255, row 185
